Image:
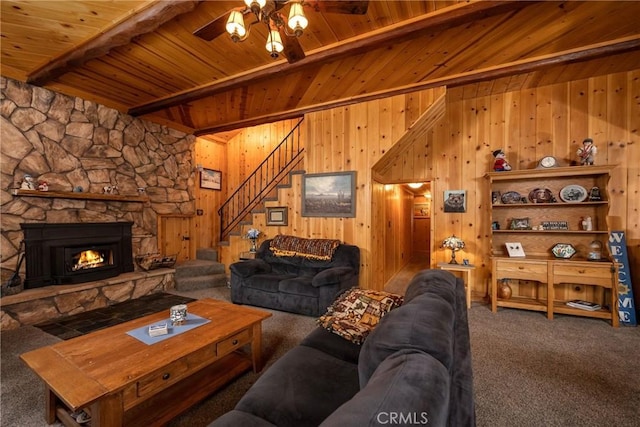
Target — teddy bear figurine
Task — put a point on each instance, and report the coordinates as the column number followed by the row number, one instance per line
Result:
column 500, row 163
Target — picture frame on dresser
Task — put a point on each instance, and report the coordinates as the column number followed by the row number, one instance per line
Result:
column 515, row 249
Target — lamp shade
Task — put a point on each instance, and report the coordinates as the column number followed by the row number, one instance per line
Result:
column 297, row 20
column 455, row 244
column 274, row 43
column 235, row 25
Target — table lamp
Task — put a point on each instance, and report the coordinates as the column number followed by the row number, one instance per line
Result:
column 455, row 244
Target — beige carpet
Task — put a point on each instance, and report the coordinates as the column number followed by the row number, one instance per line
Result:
column 528, row 371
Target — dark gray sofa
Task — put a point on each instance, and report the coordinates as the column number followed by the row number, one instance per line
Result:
column 294, row 283
column 414, row 368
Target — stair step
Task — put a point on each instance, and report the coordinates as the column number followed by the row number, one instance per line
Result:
column 197, row 267
column 208, row 254
column 201, row 282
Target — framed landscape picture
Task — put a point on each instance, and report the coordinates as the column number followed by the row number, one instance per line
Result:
column 329, row 194
column 210, row 179
column 277, row 215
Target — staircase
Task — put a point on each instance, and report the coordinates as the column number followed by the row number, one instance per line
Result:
column 203, row 272
column 261, row 184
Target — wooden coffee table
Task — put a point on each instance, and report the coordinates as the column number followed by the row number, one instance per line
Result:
column 124, row 381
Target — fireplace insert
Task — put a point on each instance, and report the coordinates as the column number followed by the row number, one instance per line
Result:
column 69, row 253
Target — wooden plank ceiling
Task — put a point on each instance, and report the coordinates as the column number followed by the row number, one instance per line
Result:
column 141, row 57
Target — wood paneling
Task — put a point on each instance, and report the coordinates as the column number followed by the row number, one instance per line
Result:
column 456, row 154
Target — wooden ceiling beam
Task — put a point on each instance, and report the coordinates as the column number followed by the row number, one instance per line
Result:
column 586, row 53
column 436, row 21
column 135, row 25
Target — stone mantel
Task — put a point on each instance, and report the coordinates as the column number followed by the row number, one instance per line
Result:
column 79, row 195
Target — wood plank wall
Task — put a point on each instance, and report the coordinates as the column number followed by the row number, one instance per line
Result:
column 455, row 154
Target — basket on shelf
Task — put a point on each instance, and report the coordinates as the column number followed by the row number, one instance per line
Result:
column 153, row 261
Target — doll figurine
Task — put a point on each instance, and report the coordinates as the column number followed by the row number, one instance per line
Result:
column 28, row 183
column 587, row 152
column 500, row 163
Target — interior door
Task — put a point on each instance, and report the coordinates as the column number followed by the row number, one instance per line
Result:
column 174, row 236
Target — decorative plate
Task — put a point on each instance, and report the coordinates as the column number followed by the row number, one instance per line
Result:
column 541, row 195
column 573, row 194
column 511, row 198
column 563, row 250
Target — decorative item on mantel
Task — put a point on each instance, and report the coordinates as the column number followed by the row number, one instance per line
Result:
column 252, row 235
column 28, row 183
column 455, row 244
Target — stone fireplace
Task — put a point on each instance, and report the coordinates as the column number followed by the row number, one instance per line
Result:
column 71, row 253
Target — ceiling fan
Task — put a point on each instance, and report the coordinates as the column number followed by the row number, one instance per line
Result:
column 283, row 32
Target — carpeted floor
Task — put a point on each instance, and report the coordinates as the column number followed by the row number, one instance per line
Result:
column 83, row 323
column 528, row 371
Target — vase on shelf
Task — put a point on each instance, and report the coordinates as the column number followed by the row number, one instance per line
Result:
column 253, row 245
column 504, row 290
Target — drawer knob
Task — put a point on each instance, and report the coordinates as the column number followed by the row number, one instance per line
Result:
column 581, row 271
column 521, row 268
column 234, row 342
column 166, row 376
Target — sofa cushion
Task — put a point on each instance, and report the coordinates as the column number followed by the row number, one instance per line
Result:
column 333, row 344
column 357, row 311
column 408, row 388
column 300, row 285
column 237, row 418
column 424, row 323
column 302, row 388
column 266, row 282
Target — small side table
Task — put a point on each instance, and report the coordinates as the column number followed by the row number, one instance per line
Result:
column 247, row 255
column 466, row 275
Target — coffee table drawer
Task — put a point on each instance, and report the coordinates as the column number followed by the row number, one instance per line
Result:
column 175, row 371
column 233, row 342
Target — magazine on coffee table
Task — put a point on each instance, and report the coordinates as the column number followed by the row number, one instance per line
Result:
column 584, row 305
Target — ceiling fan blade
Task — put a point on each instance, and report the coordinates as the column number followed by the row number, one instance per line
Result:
column 292, row 49
column 213, row 29
column 349, row 7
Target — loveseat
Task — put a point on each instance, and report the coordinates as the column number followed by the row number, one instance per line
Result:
column 294, row 274
column 414, row 368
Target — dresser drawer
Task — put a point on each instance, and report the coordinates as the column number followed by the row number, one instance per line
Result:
column 230, row 344
column 526, row 270
column 583, row 274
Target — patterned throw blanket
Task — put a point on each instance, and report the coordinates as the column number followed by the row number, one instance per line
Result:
column 321, row 249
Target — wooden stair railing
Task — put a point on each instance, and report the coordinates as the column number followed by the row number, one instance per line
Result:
column 273, row 169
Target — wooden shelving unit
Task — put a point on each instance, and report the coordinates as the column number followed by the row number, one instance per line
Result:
column 541, row 281
column 80, row 196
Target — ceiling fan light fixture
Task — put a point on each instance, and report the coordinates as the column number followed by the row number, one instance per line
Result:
column 274, row 43
column 255, row 5
column 235, row 26
column 297, row 21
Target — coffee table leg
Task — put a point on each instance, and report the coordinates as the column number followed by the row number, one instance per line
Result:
column 50, row 403
column 108, row 411
column 256, row 347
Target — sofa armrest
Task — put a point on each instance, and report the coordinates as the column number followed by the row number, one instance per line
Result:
column 332, row 276
column 250, row 267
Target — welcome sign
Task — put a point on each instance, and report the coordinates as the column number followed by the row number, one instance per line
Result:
column 618, row 251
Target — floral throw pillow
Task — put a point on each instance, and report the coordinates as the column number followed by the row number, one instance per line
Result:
column 355, row 313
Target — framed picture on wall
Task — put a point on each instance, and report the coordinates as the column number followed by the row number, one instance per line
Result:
column 422, row 210
column 329, row 194
column 277, row 215
column 210, row 179
column 455, row 201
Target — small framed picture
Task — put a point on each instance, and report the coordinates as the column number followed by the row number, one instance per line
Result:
column 422, row 210
column 515, row 249
column 520, row 224
column 277, row 215
column 210, row 179
column 455, row 201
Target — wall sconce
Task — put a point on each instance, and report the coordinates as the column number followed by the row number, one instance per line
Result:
column 455, row 244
